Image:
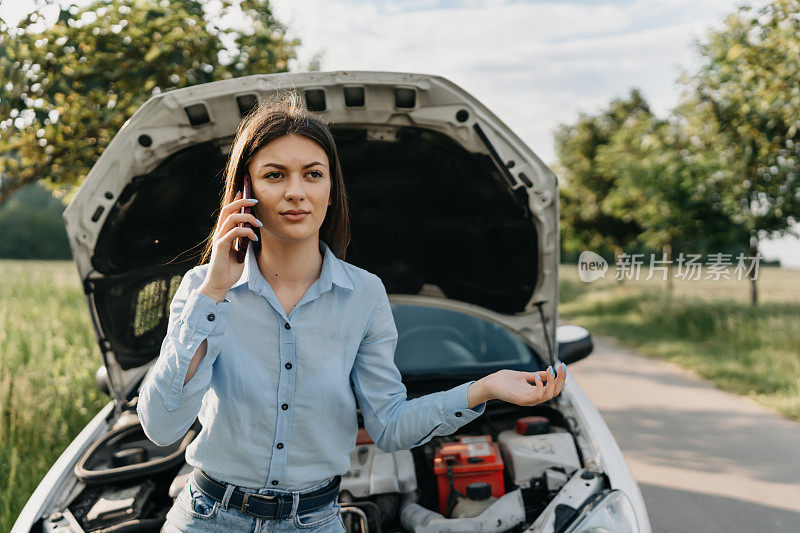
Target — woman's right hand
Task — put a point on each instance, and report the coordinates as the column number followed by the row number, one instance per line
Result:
column 224, row 269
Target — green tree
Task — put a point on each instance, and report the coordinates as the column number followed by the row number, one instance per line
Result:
column 745, row 101
column 587, row 220
column 66, row 90
column 666, row 182
column 31, row 226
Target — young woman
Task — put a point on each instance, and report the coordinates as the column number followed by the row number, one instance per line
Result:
column 265, row 352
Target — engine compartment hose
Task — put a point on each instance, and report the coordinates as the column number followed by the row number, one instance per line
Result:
column 502, row 515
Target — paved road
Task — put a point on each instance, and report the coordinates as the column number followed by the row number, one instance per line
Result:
column 706, row 460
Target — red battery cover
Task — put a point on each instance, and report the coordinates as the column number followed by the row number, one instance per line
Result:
column 532, row 425
column 476, row 458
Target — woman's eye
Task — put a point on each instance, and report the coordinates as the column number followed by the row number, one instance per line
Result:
column 316, row 174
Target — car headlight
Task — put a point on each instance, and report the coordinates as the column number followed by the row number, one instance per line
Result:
column 613, row 513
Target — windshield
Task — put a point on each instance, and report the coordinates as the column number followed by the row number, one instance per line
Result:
column 433, row 340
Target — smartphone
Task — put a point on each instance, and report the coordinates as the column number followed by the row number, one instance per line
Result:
column 240, row 243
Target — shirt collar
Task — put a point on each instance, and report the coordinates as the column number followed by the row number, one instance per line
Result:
column 333, row 270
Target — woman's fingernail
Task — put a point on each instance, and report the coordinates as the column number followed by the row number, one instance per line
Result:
column 550, row 370
column 563, row 367
column 260, row 223
column 254, row 200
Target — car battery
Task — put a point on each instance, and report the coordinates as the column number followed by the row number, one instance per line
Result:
column 469, row 459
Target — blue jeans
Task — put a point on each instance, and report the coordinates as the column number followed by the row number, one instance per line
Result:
column 194, row 511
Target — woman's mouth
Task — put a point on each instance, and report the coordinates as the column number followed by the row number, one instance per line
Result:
column 295, row 214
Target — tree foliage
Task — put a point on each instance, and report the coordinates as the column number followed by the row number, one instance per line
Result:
column 745, row 102
column 722, row 169
column 665, row 182
column 588, row 220
column 66, row 89
column 32, row 227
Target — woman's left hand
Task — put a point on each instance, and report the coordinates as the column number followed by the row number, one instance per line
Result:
column 517, row 387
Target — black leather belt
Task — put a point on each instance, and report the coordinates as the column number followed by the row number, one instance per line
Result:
column 267, row 505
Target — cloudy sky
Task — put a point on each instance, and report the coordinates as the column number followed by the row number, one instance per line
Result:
column 534, row 63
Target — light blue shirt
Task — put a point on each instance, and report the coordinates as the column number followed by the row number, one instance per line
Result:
column 273, row 392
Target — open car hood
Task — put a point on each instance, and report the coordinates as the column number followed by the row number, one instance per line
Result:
column 445, row 200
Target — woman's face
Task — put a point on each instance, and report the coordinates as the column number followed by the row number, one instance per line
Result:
column 291, row 173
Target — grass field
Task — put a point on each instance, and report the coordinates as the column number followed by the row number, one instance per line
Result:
column 708, row 326
column 48, row 356
column 48, row 352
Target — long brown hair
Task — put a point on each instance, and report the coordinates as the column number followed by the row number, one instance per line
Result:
column 267, row 121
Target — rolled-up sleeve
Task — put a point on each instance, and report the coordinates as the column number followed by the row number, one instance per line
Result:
column 167, row 408
column 392, row 421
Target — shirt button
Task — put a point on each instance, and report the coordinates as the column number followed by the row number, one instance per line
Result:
column 287, row 326
column 288, row 366
column 280, row 445
column 274, row 481
column 285, row 406
column 458, row 413
column 211, row 317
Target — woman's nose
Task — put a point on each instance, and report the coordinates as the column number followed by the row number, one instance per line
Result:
column 294, row 188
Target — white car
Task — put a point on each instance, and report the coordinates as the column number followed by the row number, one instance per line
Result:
column 458, row 217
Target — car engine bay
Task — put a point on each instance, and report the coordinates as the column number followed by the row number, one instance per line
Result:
column 513, row 469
